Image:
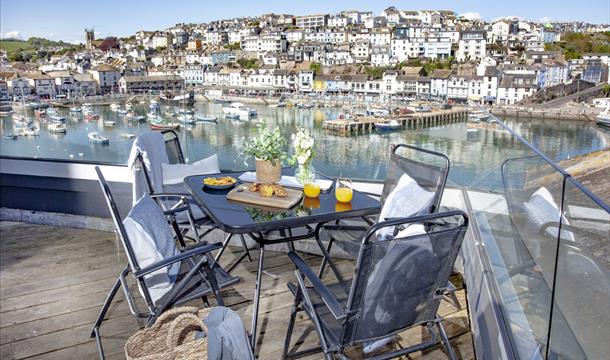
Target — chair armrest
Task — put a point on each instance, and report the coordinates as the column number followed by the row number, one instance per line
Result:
column 327, row 296
column 182, row 256
column 171, row 195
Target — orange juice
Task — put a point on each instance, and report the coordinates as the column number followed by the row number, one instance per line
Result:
column 343, row 194
column 311, row 190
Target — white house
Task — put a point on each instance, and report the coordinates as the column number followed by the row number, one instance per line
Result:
column 193, row 74
column 43, row 85
column 516, row 87
column 107, row 78
column 471, row 46
column 438, row 83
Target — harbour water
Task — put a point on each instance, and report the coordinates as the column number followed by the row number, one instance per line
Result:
column 473, row 153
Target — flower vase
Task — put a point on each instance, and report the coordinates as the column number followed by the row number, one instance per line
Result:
column 305, row 173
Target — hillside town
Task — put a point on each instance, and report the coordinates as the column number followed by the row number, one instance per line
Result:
column 428, row 55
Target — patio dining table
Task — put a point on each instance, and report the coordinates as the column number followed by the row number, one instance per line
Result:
column 258, row 222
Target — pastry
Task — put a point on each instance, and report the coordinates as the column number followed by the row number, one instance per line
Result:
column 266, row 190
column 279, row 191
column 254, row 187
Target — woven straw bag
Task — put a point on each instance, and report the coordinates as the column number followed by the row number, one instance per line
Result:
column 171, row 337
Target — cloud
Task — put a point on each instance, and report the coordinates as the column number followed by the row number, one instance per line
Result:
column 16, row 34
column 471, row 15
column 544, row 19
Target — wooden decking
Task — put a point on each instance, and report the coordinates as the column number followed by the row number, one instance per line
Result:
column 53, row 281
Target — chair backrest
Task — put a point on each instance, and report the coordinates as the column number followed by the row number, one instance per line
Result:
column 118, row 222
column 158, row 244
column 172, row 146
column 428, row 168
column 398, row 282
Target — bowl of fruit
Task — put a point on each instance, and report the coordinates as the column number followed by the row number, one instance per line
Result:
column 219, row 183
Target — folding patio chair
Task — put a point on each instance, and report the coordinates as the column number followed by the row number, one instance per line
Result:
column 428, row 168
column 148, row 174
column 165, row 275
column 398, row 283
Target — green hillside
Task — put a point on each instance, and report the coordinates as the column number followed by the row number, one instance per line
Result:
column 12, row 46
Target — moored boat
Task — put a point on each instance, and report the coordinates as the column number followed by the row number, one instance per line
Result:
column 477, row 115
column 204, row 118
column 304, row 106
column 109, row 122
column 603, row 119
column 238, row 109
column 128, row 135
column 75, row 109
column 135, row 117
column 10, row 136
column 92, row 116
column 20, row 122
column 57, row 128
column 387, row 126
column 164, row 126
column 97, row 138
column 30, row 131
column 186, row 119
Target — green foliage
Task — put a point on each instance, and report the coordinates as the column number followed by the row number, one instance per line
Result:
column 12, row 46
column 375, row 72
column 248, row 63
column 234, row 46
column 315, row 67
column 254, row 23
column 574, row 45
column 160, row 48
column 551, row 47
column 606, row 90
column 266, row 144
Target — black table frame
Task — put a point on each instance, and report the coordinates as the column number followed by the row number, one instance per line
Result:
column 257, row 231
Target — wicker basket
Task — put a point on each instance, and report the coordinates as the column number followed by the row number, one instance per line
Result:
column 171, row 337
column 268, row 171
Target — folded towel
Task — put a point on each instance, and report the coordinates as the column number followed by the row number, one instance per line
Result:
column 151, row 146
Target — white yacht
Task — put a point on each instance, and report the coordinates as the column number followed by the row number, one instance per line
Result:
column 97, row 138
column 603, row 118
column 238, row 109
column 57, row 128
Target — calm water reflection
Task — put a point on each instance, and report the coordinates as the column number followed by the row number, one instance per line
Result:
column 474, row 154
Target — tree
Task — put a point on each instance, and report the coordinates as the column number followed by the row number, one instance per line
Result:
column 315, row 67
column 233, row 46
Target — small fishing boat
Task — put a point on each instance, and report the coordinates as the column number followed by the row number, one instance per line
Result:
column 97, row 138
column 152, row 115
column 87, row 105
column 40, row 112
column 57, row 128
column 75, row 109
column 92, row 116
column 603, row 119
column 154, row 105
column 164, row 126
column 128, row 135
column 21, row 122
column 221, row 101
column 477, row 115
column 210, row 119
column 238, row 109
column 30, row 131
column 186, row 119
column 122, row 111
column 304, row 106
column 232, row 116
column 57, row 118
column 377, row 112
column 10, row 136
column 387, row 126
column 109, row 122
column 135, row 117
column 185, row 111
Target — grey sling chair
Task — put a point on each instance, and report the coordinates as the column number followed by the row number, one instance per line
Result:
column 401, row 274
column 198, row 218
column 189, row 273
column 428, row 168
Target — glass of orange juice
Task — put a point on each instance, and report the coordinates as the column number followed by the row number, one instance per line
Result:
column 311, row 189
column 343, row 190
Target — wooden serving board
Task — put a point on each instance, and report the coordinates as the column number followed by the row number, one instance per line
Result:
column 242, row 194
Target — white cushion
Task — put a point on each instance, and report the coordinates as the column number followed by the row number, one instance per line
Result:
column 407, row 199
column 175, row 173
column 542, row 209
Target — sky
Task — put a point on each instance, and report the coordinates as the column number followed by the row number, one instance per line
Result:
column 66, row 20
